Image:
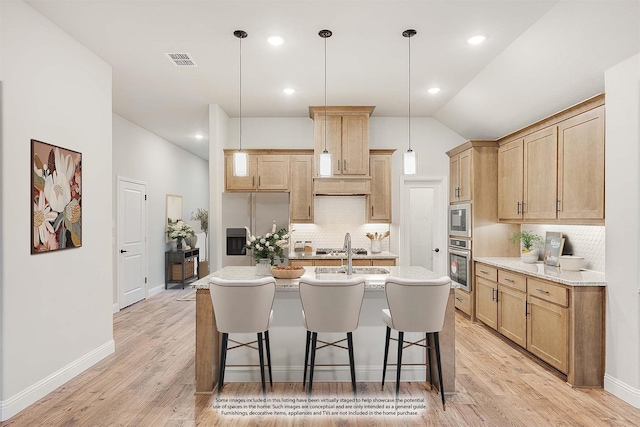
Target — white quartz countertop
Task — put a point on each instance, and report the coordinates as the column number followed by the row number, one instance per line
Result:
column 313, row 255
column 374, row 282
column 553, row 274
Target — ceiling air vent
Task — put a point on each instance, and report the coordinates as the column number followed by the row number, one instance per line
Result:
column 181, row 59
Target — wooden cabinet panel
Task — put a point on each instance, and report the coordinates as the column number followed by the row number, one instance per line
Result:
column 301, row 185
column 581, row 166
column 540, row 174
column 510, row 180
column 379, row 201
column 460, row 177
column 355, row 145
column 487, row 272
column 454, row 177
column 240, row 183
column 327, row 262
column 463, row 301
column 548, row 291
column 361, row 262
column 486, row 304
column 381, row 262
column 512, row 318
column 273, row 172
column 301, row 262
column 512, row 280
column 548, row 333
column 333, row 140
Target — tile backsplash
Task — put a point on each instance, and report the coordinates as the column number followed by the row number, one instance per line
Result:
column 334, row 217
column 580, row 240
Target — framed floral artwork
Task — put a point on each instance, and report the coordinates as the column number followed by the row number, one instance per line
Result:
column 56, row 185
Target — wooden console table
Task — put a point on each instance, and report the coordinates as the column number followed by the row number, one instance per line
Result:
column 181, row 257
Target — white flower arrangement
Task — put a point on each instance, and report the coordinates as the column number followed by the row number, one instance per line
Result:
column 179, row 230
column 269, row 246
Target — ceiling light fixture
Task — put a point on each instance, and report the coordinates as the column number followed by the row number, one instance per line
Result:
column 476, row 39
column 289, row 91
column 325, row 158
column 275, row 40
column 409, row 158
column 433, row 90
column 240, row 158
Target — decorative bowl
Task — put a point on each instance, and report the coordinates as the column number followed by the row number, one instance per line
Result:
column 571, row 263
column 287, row 272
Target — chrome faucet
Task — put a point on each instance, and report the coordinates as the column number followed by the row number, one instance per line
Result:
column 347, row 248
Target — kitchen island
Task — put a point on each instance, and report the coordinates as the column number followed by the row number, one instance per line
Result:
column 287, row 335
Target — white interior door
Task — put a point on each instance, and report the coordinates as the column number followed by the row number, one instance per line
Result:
column 423, row 231
column 132, row 232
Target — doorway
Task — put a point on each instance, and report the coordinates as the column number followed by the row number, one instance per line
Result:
column 423, row 229
column 131, row 249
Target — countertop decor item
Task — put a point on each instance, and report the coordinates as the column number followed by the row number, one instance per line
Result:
column 571, row 263
column 528, row 239
column 270, row 246
column 287, row 272
column 376, row 239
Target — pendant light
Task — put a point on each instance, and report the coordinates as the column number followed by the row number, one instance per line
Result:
column 409, row 158
column 326, row 161
column 240, row 158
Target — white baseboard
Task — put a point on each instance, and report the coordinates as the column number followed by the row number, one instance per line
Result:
column 30, row 395
column 156, row 290
column 622, row 390
column 116, row 307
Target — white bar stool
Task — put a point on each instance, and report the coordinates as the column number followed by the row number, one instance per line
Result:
column 330, row 306
column 415, row 306
column 243, row 306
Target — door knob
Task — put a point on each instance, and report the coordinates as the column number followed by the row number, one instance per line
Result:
column 123, row 251
column 436, row 250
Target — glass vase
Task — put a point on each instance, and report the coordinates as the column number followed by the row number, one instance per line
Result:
column 179, row 244
column 263, row 267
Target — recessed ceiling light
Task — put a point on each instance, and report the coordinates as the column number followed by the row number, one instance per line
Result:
column 198, row 136
column 275, row 40
column 289, row 91
column 433, row 90
column 476, row 39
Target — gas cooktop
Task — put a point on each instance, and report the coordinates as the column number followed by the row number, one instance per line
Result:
column 340, row 251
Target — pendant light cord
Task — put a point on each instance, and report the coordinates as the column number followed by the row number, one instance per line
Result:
column 409, row 121
column 325, row 95
column 240, row 85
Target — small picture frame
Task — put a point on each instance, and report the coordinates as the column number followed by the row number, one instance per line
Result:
column 553, row 244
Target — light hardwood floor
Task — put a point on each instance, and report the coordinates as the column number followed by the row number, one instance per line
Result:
column 149, row 381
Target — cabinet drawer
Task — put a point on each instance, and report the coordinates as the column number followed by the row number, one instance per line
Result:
column 463, row 301
column 512, row 280
column 361, row 262
column 548, row 292
column 383, row 261
column 300, row 262
column 327, row 263
column 489, row 273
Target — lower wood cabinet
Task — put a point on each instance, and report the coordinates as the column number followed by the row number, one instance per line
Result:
column 562, row 325
column 358, row 262
column 463, row 301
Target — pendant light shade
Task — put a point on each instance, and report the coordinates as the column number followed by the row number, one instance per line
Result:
column 326, row 160
column 240, row 158
column 409, row 158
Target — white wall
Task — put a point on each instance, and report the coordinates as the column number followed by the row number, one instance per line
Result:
column 622, row 376
column 56, row 307
column 218, row 139
column 166, row 169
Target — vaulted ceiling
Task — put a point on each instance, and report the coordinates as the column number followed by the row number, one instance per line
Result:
column 538, row 58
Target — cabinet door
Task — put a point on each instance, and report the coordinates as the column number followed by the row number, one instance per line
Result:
column 273, row 172
column 548, row 333
column 510, row 180
column 512, row 318
column 240, row 183
column 486, row 305
column 355, row 145
column 301, row 197
column 334, row 138
column 581, row 166
column 464, row 180
column 379, row 201
column 540, row 174
column 454, row 175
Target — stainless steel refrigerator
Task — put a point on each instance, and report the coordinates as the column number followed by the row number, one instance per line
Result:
column 256, row 211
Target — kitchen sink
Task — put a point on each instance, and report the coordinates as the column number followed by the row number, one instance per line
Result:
column 356, row 270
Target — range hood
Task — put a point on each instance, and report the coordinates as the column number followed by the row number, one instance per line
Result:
column 342, row 186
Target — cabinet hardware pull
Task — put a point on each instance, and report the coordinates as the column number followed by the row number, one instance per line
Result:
column 526, row 308
column 484, row 272
column 509, row 280
column 459, row 299
column 518, row 208
column 371, row 210
column 338, row 164
column 253, row 181
column 309, row 211
column 542, row 291
column 344, row 168
column 259, row 180
column 523, row 208
column 496, row 295
column 493, row 298
column 557, row 205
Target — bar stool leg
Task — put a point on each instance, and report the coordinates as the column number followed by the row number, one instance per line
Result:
column 306, row 358
column 386, row 355
column 351, row 362
column 314, row 339
column 266, row 340
column 260, row 351
column 436, row 340
column 400, row 344
column 428, row 342
column 223, row 360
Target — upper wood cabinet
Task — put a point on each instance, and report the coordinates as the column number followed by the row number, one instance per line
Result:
column 301, row 197
column 379, row 201
column 267, row 172
column 460, row 177
column 555, row 173
column 347, row 137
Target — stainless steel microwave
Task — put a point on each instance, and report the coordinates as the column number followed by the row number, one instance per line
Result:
column 460, row 220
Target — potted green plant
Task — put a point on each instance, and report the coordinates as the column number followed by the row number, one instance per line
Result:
column 529, row 254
